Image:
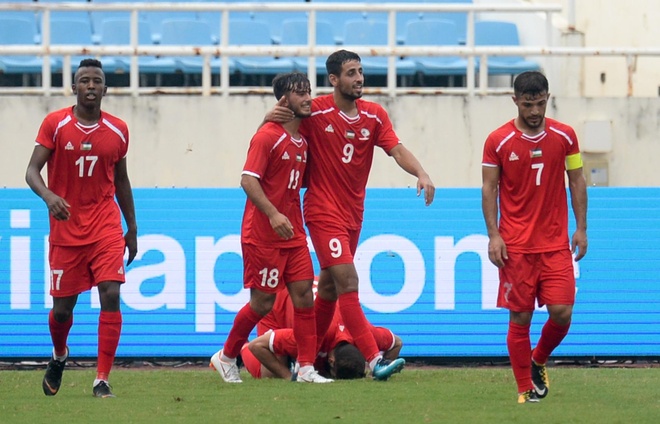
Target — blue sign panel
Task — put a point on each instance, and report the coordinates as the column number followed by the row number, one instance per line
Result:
column 424, row 273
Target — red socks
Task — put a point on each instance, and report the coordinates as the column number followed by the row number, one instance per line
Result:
column 304, row 331
column 552, row 335
column 519, row 345
column 357, row 325
column 59, row 332
column 324, row 311
column 245, row 321
column 251, row 363
column 109, row 332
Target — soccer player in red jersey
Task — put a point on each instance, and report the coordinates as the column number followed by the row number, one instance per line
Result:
column 343, row 132
column 266, row 356
column 85, row 149
column 273, row 239
column 524, row 165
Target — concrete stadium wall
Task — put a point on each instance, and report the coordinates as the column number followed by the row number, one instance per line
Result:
column 191, row 141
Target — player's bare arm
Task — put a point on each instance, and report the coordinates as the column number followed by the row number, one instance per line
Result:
column 124, row 195
column 409, row 163
column 260, row 349
column 278, row 221
column 578, row 188
column 57, row 206
column 489, row 192
column 279, row 113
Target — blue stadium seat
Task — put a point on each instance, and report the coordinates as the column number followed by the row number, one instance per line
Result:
column 250, row 33
column 458, row 18
column 117, row 31
column 500, row 33
column 27, row 15
column 98, row 16
column 214, row 18
column 66, row 15
column 274, row 19
column 374, row 33
column 402, row 18
column 20, row 31
column 433, row 32
column 157, row 17
column 190, row 32
column 65, row 31
column 337, row 18
column 294, row 32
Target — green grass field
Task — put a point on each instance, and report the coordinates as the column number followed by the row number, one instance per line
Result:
column 417, row 395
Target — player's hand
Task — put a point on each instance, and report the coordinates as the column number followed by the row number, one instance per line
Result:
column 280, row 113
column 130, row 238
column 425, row 183
column 57, row 206
column 497, row 251
column 282, row 226
column 579, row 244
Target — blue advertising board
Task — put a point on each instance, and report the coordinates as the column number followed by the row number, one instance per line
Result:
column 424, row 273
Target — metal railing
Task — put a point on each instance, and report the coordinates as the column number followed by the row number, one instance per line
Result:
column 224, row 50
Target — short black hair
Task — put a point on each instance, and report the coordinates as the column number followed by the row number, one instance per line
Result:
column 289, row 82
column 94, row 63
column 530, row 82
column 336, row 60
column 349, row 362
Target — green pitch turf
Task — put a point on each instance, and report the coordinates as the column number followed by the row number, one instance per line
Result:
column 417, row 395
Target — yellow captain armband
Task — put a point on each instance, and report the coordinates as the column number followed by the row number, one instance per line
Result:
column 573, row 162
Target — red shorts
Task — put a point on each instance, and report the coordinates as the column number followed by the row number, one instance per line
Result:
column 527, row 277
column 334, row 244
column 270, row 269
column 76, row 269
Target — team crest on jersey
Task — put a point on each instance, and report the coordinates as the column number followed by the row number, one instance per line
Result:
column 69, row 146
column 298, row 157
column 285, row 156
column 350, row 134
column 329, row 129
column 536, row 153
column 86, row 145
column 513, row 156
column 365, row 134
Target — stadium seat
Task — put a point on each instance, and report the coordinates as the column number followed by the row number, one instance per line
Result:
column 117, row 31
column 65, row 15
column 250, row 33
column 500, row 33
column 194, row 33
column 433, row 32
column 157, row 17
column 65, row 31
column 20, row 31
column 98, row 16
column 214, row 18
column 274, row 19
column 458, row 18
column 338, row 18
column 294, row 32
column 374, row 33
column 27, row 15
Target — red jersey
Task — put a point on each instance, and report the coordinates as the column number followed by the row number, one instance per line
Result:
column 278, row 160
column 532, row 189
column 81, row 170
column 281, row 316
column 341, row 151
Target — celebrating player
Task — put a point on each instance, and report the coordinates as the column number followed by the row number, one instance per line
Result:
column 343, row 132
column 273, row 239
